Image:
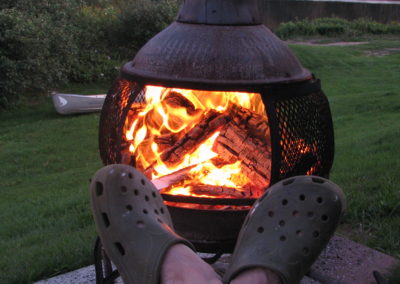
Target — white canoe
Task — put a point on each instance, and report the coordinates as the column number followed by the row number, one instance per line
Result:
column 73, row 103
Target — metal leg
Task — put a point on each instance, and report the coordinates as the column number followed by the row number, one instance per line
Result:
column 103, row 266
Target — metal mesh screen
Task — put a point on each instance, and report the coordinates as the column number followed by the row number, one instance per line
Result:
column 119, row 98
column 306, row 135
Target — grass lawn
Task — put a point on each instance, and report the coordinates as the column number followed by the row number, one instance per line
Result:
column 47, row 159
column 46, row 162
column 364, row 93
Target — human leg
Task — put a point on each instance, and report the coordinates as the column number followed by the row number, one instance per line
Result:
column 136, row 231
column 182, row 266
column 257, row 276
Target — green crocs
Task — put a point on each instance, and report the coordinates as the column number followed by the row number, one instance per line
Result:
column 134, row 225
column 288, row 227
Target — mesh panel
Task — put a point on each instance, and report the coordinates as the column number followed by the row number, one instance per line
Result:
column 112, row 118
column 140, row 97
column 306, row 137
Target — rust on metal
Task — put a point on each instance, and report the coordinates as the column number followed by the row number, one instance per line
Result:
column 216, row 42
column 228, row 55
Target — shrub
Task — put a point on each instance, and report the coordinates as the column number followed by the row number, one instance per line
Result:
column 34, row 54
column 44, row 43
column 335, row 27
column 330, row 26
column 95, row 61
column 141, row 20
column 370, row 27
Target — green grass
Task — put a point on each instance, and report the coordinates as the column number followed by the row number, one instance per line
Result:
column 364, row 93
column 47, row 160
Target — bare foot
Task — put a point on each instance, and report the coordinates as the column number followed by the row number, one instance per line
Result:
column 257, row 276
column 182, row 266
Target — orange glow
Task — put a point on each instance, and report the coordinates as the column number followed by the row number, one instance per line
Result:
column 297, row 149
column 153, row 128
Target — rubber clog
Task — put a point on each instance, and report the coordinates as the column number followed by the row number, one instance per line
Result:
column 288, row 227
column 133, row 224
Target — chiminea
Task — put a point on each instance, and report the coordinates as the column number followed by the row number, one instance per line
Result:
column 216, row 109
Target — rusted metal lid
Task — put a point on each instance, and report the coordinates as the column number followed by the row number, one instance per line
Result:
column 217, row 55
column 217, row 50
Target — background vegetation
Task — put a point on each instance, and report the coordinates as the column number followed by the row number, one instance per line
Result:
column 44, row 44
column 336, row 27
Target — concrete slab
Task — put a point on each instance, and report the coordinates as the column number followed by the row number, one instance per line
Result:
column 342, row 262
column 347, row 262
column 86, row 275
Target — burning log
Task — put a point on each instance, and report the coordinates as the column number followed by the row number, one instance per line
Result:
column 218, row 191
column 209, row 123
column 236, row 143
column 166, row 141
column 256, row 125
column 126, row 156
column 176, row 100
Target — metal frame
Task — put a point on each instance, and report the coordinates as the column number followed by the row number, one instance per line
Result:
column 103, row 266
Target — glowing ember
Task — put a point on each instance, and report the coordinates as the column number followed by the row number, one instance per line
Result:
column 297, row 150
column 223, row 136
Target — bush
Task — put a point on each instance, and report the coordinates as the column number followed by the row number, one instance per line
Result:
column 370, row 27
column 335, row 27
column 34, row 54
column 140, row 21
column 94, row 61
column 330, row 26
column 44, row 43
column 301, row 27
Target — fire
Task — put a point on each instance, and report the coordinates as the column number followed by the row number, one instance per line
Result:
column 175, row 129
column 296, row 151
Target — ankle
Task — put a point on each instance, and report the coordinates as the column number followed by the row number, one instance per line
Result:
column 272, row 277
column 182, row 266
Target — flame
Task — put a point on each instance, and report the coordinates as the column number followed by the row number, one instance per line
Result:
column 170, row 113
column 154, row 127
column 295, row 151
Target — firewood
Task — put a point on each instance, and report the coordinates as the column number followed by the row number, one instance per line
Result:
column 127, row 157
column 218, row 191
column 177, row 100
column 166, row 141
column 235, row 143
column 256, row 125
column 209, row 123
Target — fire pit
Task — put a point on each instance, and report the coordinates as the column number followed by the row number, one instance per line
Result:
column 215, row 109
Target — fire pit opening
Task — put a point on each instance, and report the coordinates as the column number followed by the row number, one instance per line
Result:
column 210, row 144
